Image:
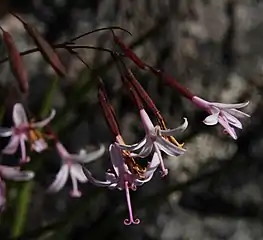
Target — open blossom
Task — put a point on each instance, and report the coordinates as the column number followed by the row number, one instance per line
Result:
column 225, row 114
column 22, row 131
column 71, row 167
column 156, row 139
column 123, row 179
column 11, row 173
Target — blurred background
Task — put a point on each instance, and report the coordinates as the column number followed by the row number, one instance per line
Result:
column 214, row 48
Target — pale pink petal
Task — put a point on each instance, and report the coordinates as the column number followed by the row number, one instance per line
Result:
column 211, row 119
column 75, row 192
column 96, row 182
column 228, row 128
column 151, row 168
column 145, row 151
column 230, row 106
column 12, row 145
column 147, row 123
column 24, row 157
column 19, row 115
column 133, row 147
column 163, row 169
column 117, row 160
column 232, row 120
column 39, row 145
column 237, row 113
column 110, row 177
column 76, row 171
column 168, row 147
column 60, row 180
column 13, row 173
column 44, row 122
column 6, row 132
column 173, row 132
column 88, row 157
column 62, row 151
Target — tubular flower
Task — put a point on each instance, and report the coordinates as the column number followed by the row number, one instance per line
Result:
column 123, row 179
column 225, row 114
column 70, row 166
column 24, row 131
column 11, row 173
column 156, row 139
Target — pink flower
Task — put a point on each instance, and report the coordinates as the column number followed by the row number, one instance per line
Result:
column 23, row 131
column 123, row 179
column 71, row 167
column 225, row 114
column 156, row 141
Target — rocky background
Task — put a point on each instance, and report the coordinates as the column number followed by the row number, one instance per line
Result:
column 213, row 47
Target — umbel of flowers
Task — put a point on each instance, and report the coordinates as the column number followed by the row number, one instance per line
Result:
column 126, row 173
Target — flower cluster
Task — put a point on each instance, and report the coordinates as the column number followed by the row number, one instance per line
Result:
column 127, row 172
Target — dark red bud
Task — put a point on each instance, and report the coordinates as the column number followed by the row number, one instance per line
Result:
column 16, row 62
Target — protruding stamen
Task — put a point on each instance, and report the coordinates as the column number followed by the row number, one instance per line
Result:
column 128, row 198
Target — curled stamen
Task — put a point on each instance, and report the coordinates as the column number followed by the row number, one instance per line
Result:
column 131, row 220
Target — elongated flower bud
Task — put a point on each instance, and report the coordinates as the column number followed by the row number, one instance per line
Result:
column 46, row 50
column 16, row 62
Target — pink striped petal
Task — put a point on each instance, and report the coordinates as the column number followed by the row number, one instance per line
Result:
column 147, row 123
column 151, row 168
column 19, row 115
column 60, row 180
column 39, row 145
column 237, row 113
column 228, row 128
column 172, row 132
column 211, row 119
column 12, row 145
column 76, row 171
column 62, row 151
column 117, row 160
column 232, row 120
column 231, row 105
column 44, row 122
column 13, row 173
column 84, row 157
column 6, row 132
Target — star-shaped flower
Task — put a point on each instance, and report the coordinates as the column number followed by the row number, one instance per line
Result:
column 123, row 179
column 225, row 114
column 71, row 167
column 24, row 130
column 156, row 139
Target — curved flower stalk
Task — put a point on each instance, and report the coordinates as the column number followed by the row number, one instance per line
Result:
column 11, row 173
column 71, row 167
column 156, row 139
column 22, row 131
column 225, row 114
column 123, row 179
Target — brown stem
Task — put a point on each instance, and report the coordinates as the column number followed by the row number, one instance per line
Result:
column 60, row 45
